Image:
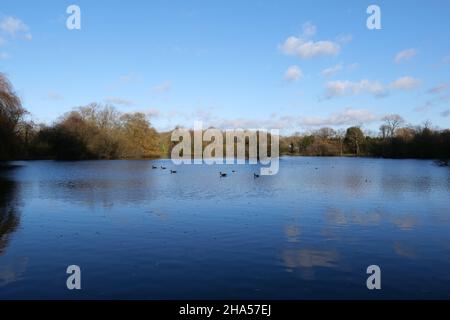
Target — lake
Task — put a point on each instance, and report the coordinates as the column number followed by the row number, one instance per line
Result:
column 308, row 232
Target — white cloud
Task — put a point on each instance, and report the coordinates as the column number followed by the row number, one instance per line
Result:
column 293, row 73
column 344, row 39
column 286, row 124
column 305, row 48
column 375, row 88
column 439, row 88
column 309, row 29
column 15, row 27
column 405, row 83
column 405, row 55
column 119, row 101
column 331, row 71
column 348, row 116
column 309, row 49
column 162, row 87
column 345, row 88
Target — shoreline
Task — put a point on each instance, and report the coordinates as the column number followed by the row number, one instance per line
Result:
column 2, row 162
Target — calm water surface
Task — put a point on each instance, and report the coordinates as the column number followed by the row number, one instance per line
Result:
column 308, row 232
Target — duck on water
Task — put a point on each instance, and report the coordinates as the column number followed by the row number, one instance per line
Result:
column 442, row 163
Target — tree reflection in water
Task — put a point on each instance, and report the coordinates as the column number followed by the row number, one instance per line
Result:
column 9, row 214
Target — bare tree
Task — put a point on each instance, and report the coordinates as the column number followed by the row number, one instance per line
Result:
column 384, row 131
column 427, row 124
column 391, row 123
column 325, row 133
column 340, row 136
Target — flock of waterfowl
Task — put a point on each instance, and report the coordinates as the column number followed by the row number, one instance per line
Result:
column 441, row 163
column 164, row 168
column 224, row 174
column 221, row 174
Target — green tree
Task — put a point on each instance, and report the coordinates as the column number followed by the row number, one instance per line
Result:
column 354, row 138
column 11, row 113
column 140, row 139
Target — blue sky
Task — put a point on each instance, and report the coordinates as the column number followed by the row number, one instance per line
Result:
column 294, row 65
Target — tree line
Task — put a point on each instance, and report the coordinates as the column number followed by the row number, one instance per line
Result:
column 99, row 131
column 94, row 131
column 395, row 140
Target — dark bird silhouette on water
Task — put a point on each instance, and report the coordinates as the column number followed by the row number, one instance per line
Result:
column 442, row 163
column 154, row 167
column 255, row 175
column 222, row 174
column 173, row 171
column 164, row 168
